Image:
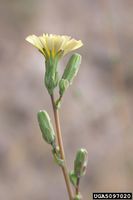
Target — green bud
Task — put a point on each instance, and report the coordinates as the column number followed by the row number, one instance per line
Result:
column 46, row 127
column 63, row 85
column 51, row 74
column 72, row 67
column 78, row 197
column 80, row 162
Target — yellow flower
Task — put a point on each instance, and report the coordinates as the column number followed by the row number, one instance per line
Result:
column 49, row 44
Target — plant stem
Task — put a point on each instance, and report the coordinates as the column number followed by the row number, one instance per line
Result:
column 77, row 187
column 60, row 143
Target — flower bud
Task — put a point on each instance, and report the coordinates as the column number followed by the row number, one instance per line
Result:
column 46, row 127
column 78, row 197
column 80, row 162
column 72, row 67
column 63, row 85
column 51, row 74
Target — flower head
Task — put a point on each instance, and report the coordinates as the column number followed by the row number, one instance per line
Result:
column 52, row 45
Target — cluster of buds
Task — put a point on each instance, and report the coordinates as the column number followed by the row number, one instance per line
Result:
column 53, row 48
column 80, row 162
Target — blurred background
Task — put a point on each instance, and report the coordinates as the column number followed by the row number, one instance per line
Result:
column 96, row 111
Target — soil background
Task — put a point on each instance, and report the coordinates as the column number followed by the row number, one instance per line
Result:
column 97, row 110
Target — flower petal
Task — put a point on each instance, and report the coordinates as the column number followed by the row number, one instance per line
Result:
column 35, row 41
column 72, row 45
column 49, row 43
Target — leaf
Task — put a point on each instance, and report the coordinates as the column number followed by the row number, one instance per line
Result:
column 57, row 157
column 73, row 178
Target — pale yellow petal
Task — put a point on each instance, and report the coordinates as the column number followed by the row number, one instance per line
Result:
column 54, row 43
column 65, row 41
column 34, row 40
column 43, row 40
column 72, row 45
column 57, row 43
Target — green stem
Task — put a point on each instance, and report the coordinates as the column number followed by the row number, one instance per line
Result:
column 60, row 143
column 77, row 187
